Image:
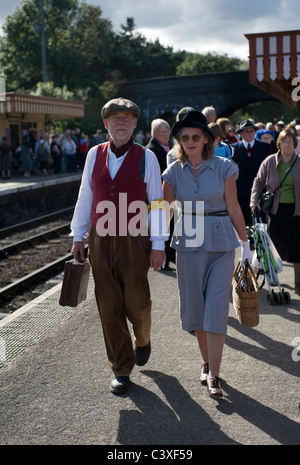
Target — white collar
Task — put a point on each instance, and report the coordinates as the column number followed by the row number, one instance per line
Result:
column 246, row 143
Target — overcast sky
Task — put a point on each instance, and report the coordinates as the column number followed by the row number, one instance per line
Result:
column 197, row 25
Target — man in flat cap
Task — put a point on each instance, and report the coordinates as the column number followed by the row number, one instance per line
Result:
column 248, row 154
column 117, row 175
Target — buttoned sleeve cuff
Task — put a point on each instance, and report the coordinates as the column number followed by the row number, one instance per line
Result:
column 158, row 245
column 158, row 227
column 77, row 238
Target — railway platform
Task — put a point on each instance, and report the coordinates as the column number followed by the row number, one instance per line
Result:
column 22, row 199
column 19, row 183
column 54, row 378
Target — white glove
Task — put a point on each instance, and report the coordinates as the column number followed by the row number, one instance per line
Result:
column 245, row 252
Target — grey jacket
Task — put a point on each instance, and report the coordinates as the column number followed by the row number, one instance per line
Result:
column 268, row 177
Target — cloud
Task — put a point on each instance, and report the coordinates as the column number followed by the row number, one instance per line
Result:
column 7, row 7
column 183, row 24
column 197, row 25
column 205, row 25
column 148, row 14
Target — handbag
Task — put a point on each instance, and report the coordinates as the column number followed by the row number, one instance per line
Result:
column 267, row 198
column 75, row 283
column 245, row 295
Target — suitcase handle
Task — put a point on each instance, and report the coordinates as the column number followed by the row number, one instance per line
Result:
column 77, row 259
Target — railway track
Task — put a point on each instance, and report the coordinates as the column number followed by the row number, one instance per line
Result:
column 21, row 245
column 20, row 257
column 28, row 263
column 9, row 232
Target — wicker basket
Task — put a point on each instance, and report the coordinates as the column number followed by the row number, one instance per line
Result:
column 245, row 296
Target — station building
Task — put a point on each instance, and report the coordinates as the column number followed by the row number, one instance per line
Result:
column 21, row 113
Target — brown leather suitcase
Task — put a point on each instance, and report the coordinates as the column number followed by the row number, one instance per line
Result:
column 75, row 283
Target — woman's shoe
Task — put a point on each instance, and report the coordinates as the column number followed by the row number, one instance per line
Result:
column 204, row 373
column 213, row 386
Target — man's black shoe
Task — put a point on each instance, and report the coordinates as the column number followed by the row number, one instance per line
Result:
column 142, row 354
column 120, row 384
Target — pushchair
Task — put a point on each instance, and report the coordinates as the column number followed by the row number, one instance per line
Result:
column 266, row 261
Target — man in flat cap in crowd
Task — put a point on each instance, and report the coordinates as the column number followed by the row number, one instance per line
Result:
column 120, row 255
column 248, row 154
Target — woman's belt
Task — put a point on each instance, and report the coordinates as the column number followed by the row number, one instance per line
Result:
column 217, row 213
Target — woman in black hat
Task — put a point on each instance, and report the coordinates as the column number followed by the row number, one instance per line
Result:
column 206, row 210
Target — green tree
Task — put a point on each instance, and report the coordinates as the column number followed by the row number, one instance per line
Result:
column 47, row 89
column 136, row 58
column 20, row 63
column 195, row 63
column 163, row 61
column 266, row 111
column 79, row 43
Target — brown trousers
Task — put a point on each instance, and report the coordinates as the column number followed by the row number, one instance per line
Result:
column 120, row 266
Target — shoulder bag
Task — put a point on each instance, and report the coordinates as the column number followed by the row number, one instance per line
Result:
column 267, row 198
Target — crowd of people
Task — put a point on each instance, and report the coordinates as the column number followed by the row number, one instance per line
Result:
column 57, row 153
column 247, row 144
column 203, row 160
column 66, row 152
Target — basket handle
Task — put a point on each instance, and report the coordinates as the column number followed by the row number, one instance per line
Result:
column 239, row 267
column 244, row 271
column 253, row 277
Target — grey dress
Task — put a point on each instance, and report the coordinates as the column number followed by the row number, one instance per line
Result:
column 205, row 260
column 26, row 159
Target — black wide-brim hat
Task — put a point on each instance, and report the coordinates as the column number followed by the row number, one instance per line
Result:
column 192, row 119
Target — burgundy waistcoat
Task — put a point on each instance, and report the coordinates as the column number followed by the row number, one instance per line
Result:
column 127, row 181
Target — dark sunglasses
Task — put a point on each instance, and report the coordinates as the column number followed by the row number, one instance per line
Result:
column 195, row 138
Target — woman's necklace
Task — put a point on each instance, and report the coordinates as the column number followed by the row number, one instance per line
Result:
column 196, row 167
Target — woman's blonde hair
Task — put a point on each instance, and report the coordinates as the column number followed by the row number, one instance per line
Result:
column 208, row 149
column 156, row 124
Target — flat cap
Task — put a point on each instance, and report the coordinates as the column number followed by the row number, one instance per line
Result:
column 120, row 104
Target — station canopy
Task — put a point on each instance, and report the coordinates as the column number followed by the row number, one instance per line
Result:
column 275, row 64
column 51, row 107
